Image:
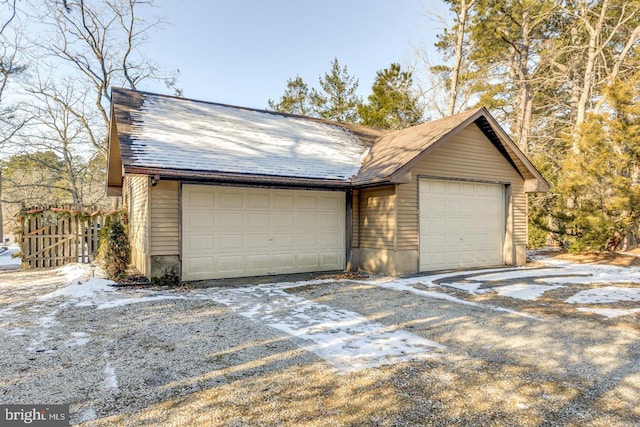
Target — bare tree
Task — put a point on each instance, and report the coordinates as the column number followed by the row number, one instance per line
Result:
column 455, row 42
column 9, row 67
column 60, row 125
column 101, row 40
column 612, row 33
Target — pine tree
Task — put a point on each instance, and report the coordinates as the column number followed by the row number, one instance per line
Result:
column 392, row 105
column 599, row 188
column 337, row 99
column 295, row 100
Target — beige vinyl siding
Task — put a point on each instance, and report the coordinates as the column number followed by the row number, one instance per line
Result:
column 355, row 215
column 165, row 218
column 137, row 199
column 467, row 155
column 407, row 216
column 377, row 218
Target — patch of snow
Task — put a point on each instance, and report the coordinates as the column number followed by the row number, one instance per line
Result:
column 406, row 286
column 89, row 414
column 469, row 287
column 84, row 294
column 607, row 294
column 74, row 272
column 523, row 291
column 516, row 274
column 110, row 381
column 346, row 339
column 79, row 339
column 588, row 273
column 7, row 262
column 610, row 312
column 48, row 320
column 126, row 301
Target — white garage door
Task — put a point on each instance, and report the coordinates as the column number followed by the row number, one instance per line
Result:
column 462, row 224
column 237, row 232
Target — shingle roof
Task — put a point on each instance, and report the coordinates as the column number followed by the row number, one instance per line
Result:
column 182, row 134
column 193, row 139
column 395, row 150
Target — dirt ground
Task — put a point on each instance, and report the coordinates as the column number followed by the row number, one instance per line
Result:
column 187, row 360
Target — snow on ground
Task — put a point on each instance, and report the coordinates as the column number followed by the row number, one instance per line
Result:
column 531, row 283
column 408, row 285
column 610, row 312
column 99, row 293
column 608, row 294
column 7, row 262
column 346, row 339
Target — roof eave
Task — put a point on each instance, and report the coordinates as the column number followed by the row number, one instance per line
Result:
column 534, row 181
column 114, row 160
column 405, row 170
column 239, row 178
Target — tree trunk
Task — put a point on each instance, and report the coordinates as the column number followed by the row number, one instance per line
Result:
column 595, row 34
column 1, row 217
column 458, row 58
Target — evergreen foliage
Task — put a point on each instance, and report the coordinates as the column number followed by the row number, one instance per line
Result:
column 295, row 100
column 392, row 104
column 114, row 250
column 552, row 75
column 337, row 100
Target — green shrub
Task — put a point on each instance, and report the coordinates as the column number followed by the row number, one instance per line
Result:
column 114, row 250
column 537, row 237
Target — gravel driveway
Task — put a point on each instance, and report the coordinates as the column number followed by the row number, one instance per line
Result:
column 558, row 344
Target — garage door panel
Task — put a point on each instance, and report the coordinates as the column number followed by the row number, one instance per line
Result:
column 199, row 221
column 201, row 242
column 437, row 241
column 255, row 242
column 283, row 241
column 257, row 200
column 469, row 232
column 285, row 202
column 330, row 240
column 306, row 202
column 439, row 187
column 200, row 199
column 230, row 264
column 261, row 231
column 227, row 221
column 307, row 240
column 330, row 261
column 307, row 260
column 233, row 241
column 228, row 200
column 199, row 264
column 257, row 262
column 282, row 261
column 467, row 189
column 329, row 204
column 257, row 221
column 329, row 221
column 282, row 221
column 306, row 222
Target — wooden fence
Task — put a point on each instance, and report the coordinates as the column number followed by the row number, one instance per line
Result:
column 55, row 236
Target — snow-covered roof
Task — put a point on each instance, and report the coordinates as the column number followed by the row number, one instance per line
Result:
column 187, row 139
column 188, row 135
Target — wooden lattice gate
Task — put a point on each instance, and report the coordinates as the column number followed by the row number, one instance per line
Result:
column 56, row 236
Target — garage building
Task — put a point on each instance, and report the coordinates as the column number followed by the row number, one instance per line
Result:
column 217, row 191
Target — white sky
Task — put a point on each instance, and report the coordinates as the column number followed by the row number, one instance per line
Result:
column 241, row 52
